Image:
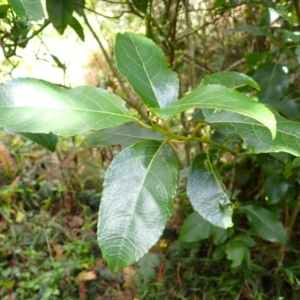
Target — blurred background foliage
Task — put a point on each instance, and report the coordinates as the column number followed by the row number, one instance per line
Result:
column 49, row 201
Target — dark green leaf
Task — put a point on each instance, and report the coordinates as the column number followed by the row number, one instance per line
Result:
column 208, row 194
column 59, row 64
column 275, row 187
column 48, row 141
column 125, row 135
column 141, row 5
column 219, row 235
column 28, row 9
column 265, row 224
column 60, row 13
column 79, row 7
column 137, row 201
column 36, row 106
column 144, row 65
column 256, row 137
column 231, row 80
column 273, row 81
column 77, row 28
column 195, row 229
column 220, row 97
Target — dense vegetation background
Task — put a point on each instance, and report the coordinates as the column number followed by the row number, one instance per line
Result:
column 49, row 201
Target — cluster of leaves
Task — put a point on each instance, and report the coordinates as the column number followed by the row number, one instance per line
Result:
column 141, row 182
column 136, row 205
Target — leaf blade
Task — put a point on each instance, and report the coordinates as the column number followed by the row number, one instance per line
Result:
column 31, row 9
column 131, row 223
column 195, row 229
column 220, row 97
column 46, row 140
column 60, row 13
column 257, row 138
column 36, row 106
column 231, row 80
column 143, row 64
column 265, row 224
column 125, row 135
column 74, row 23
column 207, row 193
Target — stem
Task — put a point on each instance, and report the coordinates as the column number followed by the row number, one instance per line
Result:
column 185, row 139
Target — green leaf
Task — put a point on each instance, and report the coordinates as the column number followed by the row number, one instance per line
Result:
column 195, row 229
column 237, row 252
column 48, row 141
column 265, row 224
column 59, row 64
column 220, row 97
column 253, row 58
column 60, row 13
column 208, row 194
column 219, row 235
column 28, row 9
column 36, row 106
column 257, row 138
column 79, row 7
column 275, row 186
column 146, row 266
column 136, row 203
column 144, row 65
column 141, row 5
column 125, row 135
column 246, row 239
column 273, row 80
column 231, row 80
column 77, row 28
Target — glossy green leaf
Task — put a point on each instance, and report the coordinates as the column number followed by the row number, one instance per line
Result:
column 125, row 135
column 144, row 65
column 223, row 98
column 265, row 224
column 195, row 229
column 36, row 106
column 77, row 28
column 273, row 80
column 141, row 5
column 257, row 138
column 137, row 201
column 231, row 80
column 48, row 141
column 28, row 9
column 208, row 194
column 60, row 13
